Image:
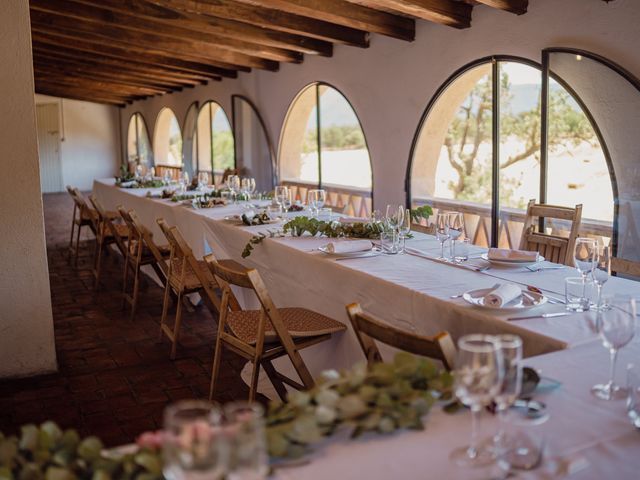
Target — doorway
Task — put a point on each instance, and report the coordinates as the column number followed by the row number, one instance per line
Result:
column 47, row 119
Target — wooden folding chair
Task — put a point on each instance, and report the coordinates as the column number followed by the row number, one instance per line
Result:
column 83, row 216
column 108, row 233
column 263, row 335
column 625, row 267
column 185, row 275
column 141, row 250
column 369, row 329
column 555, row 248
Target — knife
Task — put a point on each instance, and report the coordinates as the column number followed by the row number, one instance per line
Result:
column 543, row 315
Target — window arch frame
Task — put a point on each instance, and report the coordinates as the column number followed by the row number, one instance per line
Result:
column 155, row 134
column 193, row 107
column 543, row 68
column 317, row 84
column 206, row 103
column 138, row 114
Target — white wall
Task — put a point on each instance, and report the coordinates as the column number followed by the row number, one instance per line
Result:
column 90, row 140
column 390, row 83
column 26, row 322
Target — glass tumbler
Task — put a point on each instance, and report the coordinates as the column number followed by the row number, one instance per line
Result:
column 244, row 425
column 576, row 290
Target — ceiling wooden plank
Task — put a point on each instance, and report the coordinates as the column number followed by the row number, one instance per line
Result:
column 53, row 92
column 156, row 44
column 447, row 12
column 122, row 20
column 48, row 75
column 122, row 50
column 115, row 68
column 345, row 14
column 86, row 92
column 60, row 48
column 218, row 26
column 272, row 19
column 519, row 7
column 70, row 70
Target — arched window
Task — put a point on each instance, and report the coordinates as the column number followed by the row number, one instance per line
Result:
column 167, row 139
column 189, row 140
column 478, row 150
column 213, row 142
column 322, row 142
column 138, row 146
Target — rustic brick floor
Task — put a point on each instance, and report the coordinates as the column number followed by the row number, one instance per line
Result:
column 115, row 377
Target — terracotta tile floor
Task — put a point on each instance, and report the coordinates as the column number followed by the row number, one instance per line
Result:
column 115, row 377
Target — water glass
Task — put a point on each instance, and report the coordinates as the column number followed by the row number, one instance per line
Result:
column 389, row 242
column 633, row 394
column 511, row 386
column 195, row 446
column 456, row 230
column 576, row 293
column 274, row 211
column 442, row 231
column 312, row 201
column 524, row 449
column 461, row 252
column 168, row 179
column 405, row 229
column 601, row 273
column 203, row 180
column 616, row 326
column 246, row 436
column 477, row 380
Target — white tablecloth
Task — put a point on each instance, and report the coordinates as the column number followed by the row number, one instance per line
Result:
column 581, row 428
column 406, row 291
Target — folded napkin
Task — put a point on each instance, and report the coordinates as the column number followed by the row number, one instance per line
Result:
column 349, row 247
column 129, row 184
column 512, row 255
column 353, row 220
column 502, row 295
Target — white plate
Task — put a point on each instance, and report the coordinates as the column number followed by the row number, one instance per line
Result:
column 511, row 263
column 359, row 253
column 523, row 302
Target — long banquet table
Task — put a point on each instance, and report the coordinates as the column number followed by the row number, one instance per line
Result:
column 414, row 293
column 406, row 291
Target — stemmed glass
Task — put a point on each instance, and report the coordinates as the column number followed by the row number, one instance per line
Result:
column 312, row 201
column 203, row 180
column 286, row 201
column 321, row 198
column 601, row 272
column 195, row 445
column 511, row 349
column 405, row 229
column 442, row 230
column 456, row 229
column 617, row 326
column 168, row 179
column 233, row 184
column 585, row 255
column 477, row 380
column 184, row 182
column 393, row 219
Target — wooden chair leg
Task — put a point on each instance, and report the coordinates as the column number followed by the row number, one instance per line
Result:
column 134, row 298
column 125, row 275
column 73, row 226
column 217, row 358
column 98, row 266
column 165, row 308
column 278, row 384
column 75, row 261
column 176, row 328
column 255, row 373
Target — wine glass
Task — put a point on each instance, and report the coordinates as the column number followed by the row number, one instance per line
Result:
column 280, row 193
column 477, row 380
column 601, row 272
column 585, row 256
column 195, row 445
column 312, row 201
column 511, row 350
column 184, row 182
column 245, row 430
column 321, row 198
column 456, row 229
column 394, row 216
column 442, row 231
column 405, row 229
column 168, row 179
column 234, row 186
column 617, row 326
column 286, row 201
column 203, row 180
column 139, row 170
column 251, row 187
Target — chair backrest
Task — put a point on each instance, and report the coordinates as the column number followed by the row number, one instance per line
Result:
column 625, row 267
column 554, row 248
column 428, row 229
column 147, row 239
column 369, row 329
column 106, row 222
column 135, row 237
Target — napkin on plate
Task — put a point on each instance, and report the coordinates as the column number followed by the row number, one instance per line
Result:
column 349, row 247
column 353, row 220
column 512, row 255
column 502, row 295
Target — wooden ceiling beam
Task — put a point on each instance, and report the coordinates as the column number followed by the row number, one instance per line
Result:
column 85, row 91
column 217, row 26
column 70, row 71
column 48, row 75
column 519, row 7
column 54, row 59
column 346, row 14
column 272, row 19
column 122, row 50
column 112, row 58
column 447, row 12
column 53, row 92
column 146, row 42
column 125, row 21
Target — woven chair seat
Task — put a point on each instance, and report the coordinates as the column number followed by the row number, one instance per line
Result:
column 191, row 281
column 88, row 215
column 300, row 323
